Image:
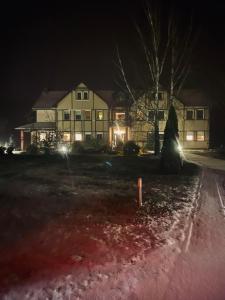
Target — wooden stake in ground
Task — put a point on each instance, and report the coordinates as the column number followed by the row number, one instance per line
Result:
column 139, row 192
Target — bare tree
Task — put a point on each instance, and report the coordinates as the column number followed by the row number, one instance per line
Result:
column 182, row 42
column 155, row 44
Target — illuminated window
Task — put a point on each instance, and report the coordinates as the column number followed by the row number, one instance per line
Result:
column 85, row 95
column 99, row 136
column 77, row 115
column 66, row 136
column 120, row 115
column 151, row 115
column 190, row 136
column 66, row 115
column 78, row 136
column 190, row 114
column 87, row 115
column 161, row 115
column 99, row 115
column 200, row 136
column 87, row 136
column 43, row 136
column 200, row 114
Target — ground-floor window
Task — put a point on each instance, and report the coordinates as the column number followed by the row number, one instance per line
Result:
column 78, row 136
column 190, row 136
column 87, row 136
column 200, row 136
column 42, row 136
column 66, row 136
column 99, row 135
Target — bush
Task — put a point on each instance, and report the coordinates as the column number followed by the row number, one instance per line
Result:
column 77, row 148
column 32, row 149
column 130, row 148
column 2, row 150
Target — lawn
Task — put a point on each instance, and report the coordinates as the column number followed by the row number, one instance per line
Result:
column 67, row 215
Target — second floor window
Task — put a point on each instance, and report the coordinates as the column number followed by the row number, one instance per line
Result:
column 66, row 115
column 77, row 115
column 120, row 116
column 200, row 114
column 190, row 114
column 161, row 115
column 87, row 115
column 99, row 115
column 151, row 115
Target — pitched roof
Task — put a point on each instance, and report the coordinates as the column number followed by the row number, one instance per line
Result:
column 107, row 96
column 49, row 99
column 38, row 125
column 193, row 97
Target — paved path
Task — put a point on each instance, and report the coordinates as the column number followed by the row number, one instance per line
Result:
column 199, row 272
column 209, row 162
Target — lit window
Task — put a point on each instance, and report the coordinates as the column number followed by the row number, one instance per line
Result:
column 190, row 136
column 151, row 115
column 78, row 137
column 79, row 95
column 87, row 115
column 99, row 136
column 120, row 116
column 85, row 95
column 66, row 136
column 200, row 136
column 77, row 115
column 190, row 114
column 161, row 115
column 99, row 115
column 200, row 114
column 66, row 115
column 43, row 136
column 87, row 136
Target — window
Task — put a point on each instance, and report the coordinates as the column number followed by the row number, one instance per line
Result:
column 99, row 136
column 161, row 115
column 151, row 115
column 43, row 136
column 66, row 136
column 99, row 115
column 87, row 115
column 79, row 95
column 161, row 136
column 87, row 136
column 82, row 95
column 78, row 136
column 190, row 136
column 120, row 116
column 85, row 95
column 160, row 95
column 77, row 115
column 66, row 115
column 200, row 114
column 190, row 114
column 200, row 136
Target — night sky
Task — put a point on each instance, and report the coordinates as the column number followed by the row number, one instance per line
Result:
column 56, row 46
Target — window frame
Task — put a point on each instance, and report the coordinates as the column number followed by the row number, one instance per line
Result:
column 75, row 115
column 66, row 112
column 190, row 140
column 203, row 114
column 98, row 134
column 200, row 140
column 163, row 111
column 96, row 115
column 66, row 140
column 84, row 114
column 193, row 114
column 78, row 140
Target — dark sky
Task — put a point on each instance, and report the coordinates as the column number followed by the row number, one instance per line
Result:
column 53, row 46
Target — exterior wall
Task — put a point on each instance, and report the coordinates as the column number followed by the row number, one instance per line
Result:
column 44, row 115
column 94, row 104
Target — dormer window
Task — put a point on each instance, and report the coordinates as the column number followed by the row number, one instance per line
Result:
column 82, row 95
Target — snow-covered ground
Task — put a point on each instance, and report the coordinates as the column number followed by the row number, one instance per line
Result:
column 76, row 233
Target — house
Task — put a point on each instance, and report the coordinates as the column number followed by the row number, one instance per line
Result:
column 82, row 113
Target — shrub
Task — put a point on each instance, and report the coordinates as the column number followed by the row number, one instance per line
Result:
column 32, row 149
column 130, row 148
column 77, row 148
column 2, row 150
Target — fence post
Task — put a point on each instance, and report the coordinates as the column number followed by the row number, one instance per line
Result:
column 139, row 192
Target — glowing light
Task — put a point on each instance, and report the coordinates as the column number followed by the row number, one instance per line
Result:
column 179, row 147
column 63, row 150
